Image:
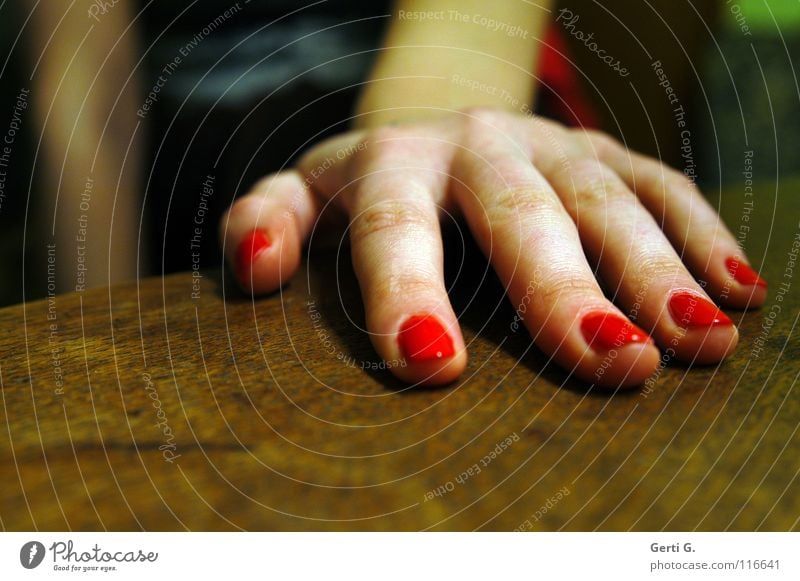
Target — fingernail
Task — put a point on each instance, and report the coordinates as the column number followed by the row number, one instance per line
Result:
column 609, row 331
column 253, row 244
column 422, row 338
column 743, row 274
column 691, row 310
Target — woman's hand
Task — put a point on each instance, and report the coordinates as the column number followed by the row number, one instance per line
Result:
column 550, row 207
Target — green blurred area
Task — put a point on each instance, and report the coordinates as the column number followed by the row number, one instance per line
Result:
column 750, row 80
column 763, row 15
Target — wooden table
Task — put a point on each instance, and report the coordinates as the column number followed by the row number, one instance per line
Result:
column 147, row 407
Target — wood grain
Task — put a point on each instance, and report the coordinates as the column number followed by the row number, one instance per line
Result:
column 268, row 422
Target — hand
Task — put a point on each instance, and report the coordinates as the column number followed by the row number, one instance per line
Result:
column 549, row 207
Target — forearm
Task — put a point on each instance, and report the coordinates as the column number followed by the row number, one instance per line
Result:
column 85, row 107
column 443, row 55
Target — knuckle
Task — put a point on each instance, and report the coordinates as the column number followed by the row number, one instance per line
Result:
column 482, row 114
column 544, row 124
column 385, row 134
column 677, row 180
column 568, row 285
column 522, row 202
column 658, row 267
column 387, row 216
column 595, row 183
column 382, row 147
column 586, row 169
column 554, row 134
column 660, row 178
column 409, row 286
column 600, row 143
column 480, row 120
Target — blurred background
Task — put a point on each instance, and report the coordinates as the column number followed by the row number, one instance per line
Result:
column 128, row 127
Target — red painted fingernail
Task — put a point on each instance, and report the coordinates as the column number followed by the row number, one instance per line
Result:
column 743, row 274
column 253, row 244
column 609, row 331
column 691, row 310
column 422, row 338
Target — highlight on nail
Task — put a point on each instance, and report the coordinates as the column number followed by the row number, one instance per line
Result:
column 605, row 330
column 252, row 245
column 423, row 338
column 689, row 309
column 743, row 273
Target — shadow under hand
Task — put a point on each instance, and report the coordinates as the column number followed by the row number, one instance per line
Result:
column 484, row 311
column 326, row 280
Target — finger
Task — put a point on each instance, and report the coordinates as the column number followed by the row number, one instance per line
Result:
column 639, row 264
column 690, row 222
column 533, row 245
column 398, row 260
column 324, row 166
column 263, row 232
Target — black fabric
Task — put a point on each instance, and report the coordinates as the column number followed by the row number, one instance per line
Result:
column 248, row 93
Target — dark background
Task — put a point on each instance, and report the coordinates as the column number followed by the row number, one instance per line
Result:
column 259, row 89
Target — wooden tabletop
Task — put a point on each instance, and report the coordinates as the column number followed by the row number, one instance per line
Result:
column 179, row 403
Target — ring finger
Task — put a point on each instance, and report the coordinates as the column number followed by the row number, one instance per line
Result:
column 522, row 227
column 637, row 261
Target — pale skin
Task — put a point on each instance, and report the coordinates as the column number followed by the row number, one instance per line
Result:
column 85, row 93
column 552, row 208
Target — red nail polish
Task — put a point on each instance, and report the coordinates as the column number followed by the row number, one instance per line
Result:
column 422, row 338
column 691, row 310
column 253, row 244
column 743, row 274
column 610, row 331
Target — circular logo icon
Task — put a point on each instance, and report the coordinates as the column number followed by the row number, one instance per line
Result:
column 31, row 554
